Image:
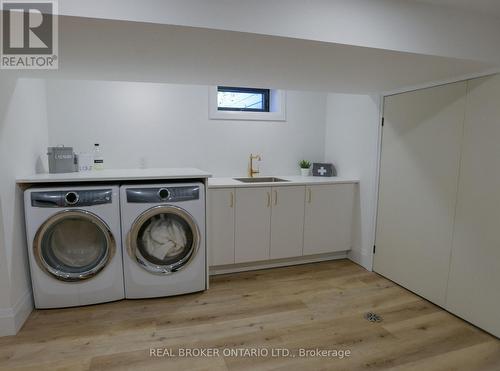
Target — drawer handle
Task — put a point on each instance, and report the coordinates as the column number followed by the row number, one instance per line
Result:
column 275, row 197
column 231, row 200
column 309, row 198
column 268, row 199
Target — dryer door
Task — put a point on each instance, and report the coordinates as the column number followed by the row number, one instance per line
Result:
column 73, row 245
column 163, row 239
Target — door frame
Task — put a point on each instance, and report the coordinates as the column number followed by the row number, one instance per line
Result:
column 135, row 254
column 73, row 277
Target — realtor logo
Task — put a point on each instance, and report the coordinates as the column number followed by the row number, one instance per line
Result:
column 29, row 34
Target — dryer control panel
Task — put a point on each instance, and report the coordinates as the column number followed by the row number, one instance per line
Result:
column 163, row 194
column 71, row 198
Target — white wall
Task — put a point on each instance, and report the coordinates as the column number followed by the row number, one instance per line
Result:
column 168, row 126
column 23, row 143
column 351, row 143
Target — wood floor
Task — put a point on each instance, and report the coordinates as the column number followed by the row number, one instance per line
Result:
column 310, row 306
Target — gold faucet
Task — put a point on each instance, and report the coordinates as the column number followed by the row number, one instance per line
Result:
column 251, row 171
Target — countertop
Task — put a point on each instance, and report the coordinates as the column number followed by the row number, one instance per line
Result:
column 291, row 181
column 115, row 175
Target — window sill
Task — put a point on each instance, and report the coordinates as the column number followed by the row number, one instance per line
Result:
column 247, row 116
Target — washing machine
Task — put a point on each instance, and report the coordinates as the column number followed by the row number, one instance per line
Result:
column 163, row 229
column 74, row 245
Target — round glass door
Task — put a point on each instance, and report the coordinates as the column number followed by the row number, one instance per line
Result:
column 163, row 239
column 73, row 245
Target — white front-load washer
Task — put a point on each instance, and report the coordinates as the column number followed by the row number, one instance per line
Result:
column 163, row 229
column 74, row 245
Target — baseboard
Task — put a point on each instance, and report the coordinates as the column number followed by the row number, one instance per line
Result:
column 243, row 267
column 12, row 319
column 361, row 258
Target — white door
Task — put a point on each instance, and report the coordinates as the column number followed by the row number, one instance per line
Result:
column 287, row 222
column 221, row 226
column 419, row 172
column 252, row 224
column 474, row 283
column 328, row 218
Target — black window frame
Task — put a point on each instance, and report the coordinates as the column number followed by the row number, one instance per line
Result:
column 266, row 95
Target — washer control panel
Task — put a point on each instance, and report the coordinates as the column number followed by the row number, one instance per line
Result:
column 72, row 198
column 163, row 194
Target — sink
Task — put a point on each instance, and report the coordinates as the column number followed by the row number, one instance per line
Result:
column 261, row 180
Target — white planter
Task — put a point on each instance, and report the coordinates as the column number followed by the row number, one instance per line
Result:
column 304, row 172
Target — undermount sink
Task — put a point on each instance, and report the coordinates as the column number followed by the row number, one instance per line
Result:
column 261, row 180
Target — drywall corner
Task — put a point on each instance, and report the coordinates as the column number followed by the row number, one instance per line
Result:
column 352, row 145
column 23, row 143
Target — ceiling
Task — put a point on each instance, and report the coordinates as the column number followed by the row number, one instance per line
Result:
column 133, row 51
column 413, row 26
column 490, row 7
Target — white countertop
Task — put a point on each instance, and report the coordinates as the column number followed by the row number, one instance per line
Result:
column 291, row 181
column 116, row 175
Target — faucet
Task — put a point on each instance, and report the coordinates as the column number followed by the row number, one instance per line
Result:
column 251, row 171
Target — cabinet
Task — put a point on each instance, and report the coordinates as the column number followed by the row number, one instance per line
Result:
column 328, row 218
column 221, row 226
column 252, row 224
column 287, row 222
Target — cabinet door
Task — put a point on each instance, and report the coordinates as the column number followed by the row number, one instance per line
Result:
column 287, row 222
column 328, row 218
column 253, row 224
column 474, row 283
column 419, row 170
column 221, row 226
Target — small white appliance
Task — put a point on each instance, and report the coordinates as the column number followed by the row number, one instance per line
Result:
column 74, row 245
column 163, row 229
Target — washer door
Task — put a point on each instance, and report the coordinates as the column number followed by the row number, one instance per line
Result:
column 163, row 239
column 73, row 245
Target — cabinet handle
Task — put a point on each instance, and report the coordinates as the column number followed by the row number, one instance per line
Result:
column 231, row 200
column 309, row 197
column 275, row 197
column 268, row 199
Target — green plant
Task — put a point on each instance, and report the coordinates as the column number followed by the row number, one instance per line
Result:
column 304, row 164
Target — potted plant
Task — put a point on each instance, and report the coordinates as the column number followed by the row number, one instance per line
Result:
column 304, row 167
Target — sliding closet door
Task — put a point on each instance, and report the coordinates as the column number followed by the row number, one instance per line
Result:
column 474, row 284
column 421, row 145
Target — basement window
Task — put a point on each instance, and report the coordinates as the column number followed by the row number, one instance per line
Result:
column 246, row 103
column 242, row 99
